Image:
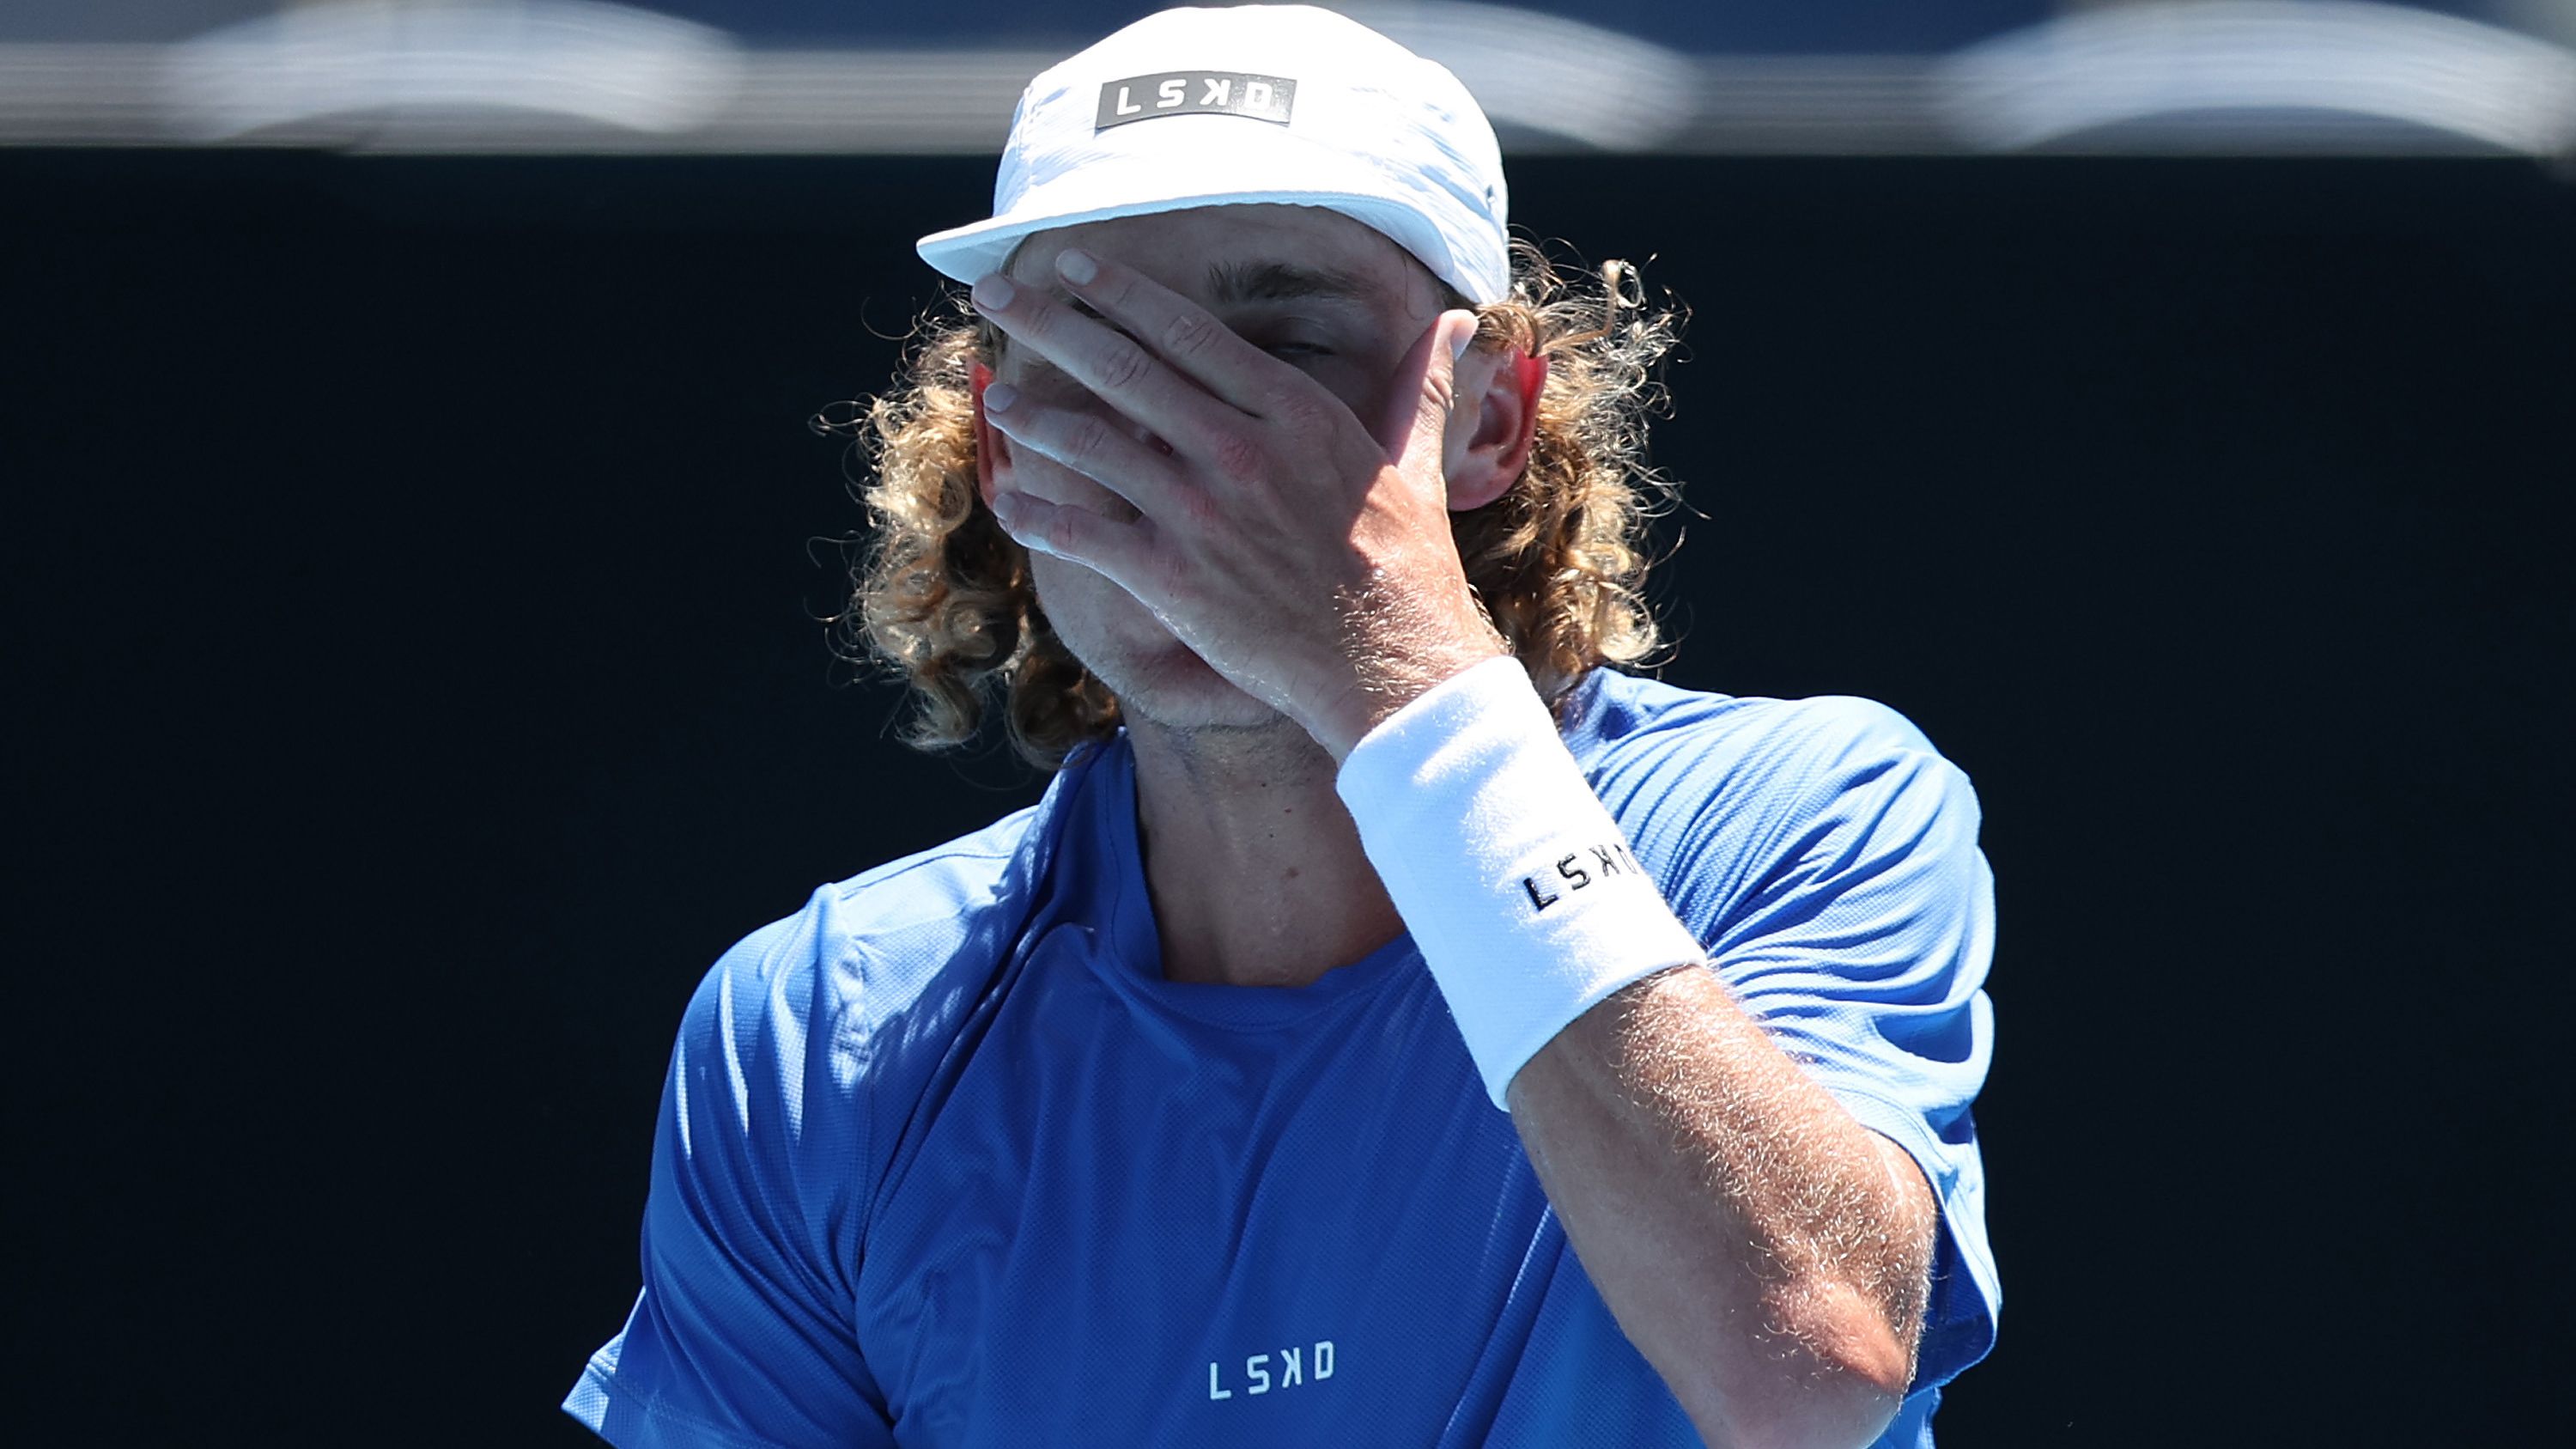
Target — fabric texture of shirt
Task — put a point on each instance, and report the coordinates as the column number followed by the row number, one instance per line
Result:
column 943, row 1160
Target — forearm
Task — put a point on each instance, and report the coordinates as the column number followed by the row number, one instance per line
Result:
column 1746, row 1231
column 1765, row 1252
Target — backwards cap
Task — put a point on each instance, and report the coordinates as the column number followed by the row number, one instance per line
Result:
column 1260, row 103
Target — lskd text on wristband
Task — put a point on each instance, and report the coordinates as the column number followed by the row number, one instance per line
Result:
column 1515, row 881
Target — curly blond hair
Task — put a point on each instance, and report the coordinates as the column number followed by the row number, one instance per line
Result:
column 943, row 596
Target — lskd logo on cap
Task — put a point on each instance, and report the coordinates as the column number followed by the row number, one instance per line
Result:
column 1195, row 93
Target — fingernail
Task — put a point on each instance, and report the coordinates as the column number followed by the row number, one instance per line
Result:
column 1459, row 344
column 999, row 396
column 995, row 292
column 1076, row 266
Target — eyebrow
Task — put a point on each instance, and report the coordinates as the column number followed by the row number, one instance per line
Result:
column 1237, row 282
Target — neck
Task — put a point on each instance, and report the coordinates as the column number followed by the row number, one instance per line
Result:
column 1255, row 869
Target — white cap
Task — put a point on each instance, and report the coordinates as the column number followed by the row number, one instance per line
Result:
column 1260, row 103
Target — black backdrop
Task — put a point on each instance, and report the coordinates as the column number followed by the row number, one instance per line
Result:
column 414, row 568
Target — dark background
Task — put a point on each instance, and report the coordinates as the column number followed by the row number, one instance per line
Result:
column 414, row 576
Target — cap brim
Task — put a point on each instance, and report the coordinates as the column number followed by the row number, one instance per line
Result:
column 981, row 248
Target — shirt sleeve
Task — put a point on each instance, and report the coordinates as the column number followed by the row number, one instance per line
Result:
column 742, row 1336
column 1842, row 897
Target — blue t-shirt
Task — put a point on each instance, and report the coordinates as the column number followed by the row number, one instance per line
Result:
column 944, row 1160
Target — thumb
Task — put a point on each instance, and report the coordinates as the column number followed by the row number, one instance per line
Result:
column 1417, row 427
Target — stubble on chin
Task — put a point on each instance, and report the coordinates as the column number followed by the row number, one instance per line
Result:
column 1171, row 689
column 1157, row 679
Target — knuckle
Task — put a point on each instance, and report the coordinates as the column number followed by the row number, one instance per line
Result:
column 1171, row 579
column 1123, row 365
column 1188, row 334
column 1236, row 457
column 1088, row 439
column 1200, row 509
column 1301, row 414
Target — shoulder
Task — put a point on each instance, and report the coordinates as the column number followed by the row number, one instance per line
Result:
column 1635, row 734
column 1826, row 856
column 800, row 1006
column 1720, row 794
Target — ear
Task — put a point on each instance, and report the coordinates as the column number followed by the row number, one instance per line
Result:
column 1493, row 450
column 992, row 450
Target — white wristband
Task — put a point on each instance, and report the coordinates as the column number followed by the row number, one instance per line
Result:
column 1516, row 883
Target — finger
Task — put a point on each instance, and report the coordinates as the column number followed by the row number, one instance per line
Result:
column 1181, row 332
column 1092, row 444
column 1120, row 552
column 1416, row 428
column 1112, row 365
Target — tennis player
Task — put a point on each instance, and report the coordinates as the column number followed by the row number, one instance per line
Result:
column 1397, row 1024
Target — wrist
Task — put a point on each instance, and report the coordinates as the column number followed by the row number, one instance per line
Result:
column 1391, row 678
column 1516, row 882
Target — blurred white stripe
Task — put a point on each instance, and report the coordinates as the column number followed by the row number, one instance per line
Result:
column 2159, row 72
column 1546, row 73
column 613, row 65
column 577, row 77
